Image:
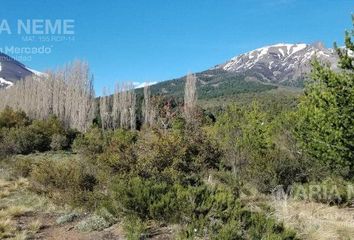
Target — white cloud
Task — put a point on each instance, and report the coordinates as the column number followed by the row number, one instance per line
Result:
column 142, row 84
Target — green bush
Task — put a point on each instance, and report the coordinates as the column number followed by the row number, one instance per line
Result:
column 133, row 227
column 92, row 223
column 90, row 143
column 204, row 211
column 10, row 118
column 28, row 139
column 23, row 165
column 70, row 217
column 65, row 181
column 325, row 119
column 278, row 168
column 146, row 199
column 25, row 140
column 119, row 155
column 59, row 142
column 333, row 191
column 175, row 156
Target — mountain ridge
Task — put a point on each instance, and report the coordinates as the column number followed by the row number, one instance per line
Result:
column 12, row 71
column 262, row 69
column 282, row 63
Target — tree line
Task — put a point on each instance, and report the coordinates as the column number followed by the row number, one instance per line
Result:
column 68, row 93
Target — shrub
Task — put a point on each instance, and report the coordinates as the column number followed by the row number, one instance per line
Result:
column 90, row 143
column 59, row 142
column 92, row 223
column 278, row 168
column 10, row 118
column 143, row 198
column 119, row 155
column 333, row 191
column 25, row 140
column 243, row 133
column 175, row 156
column 207, row 212
column 133, row 228
column 67, row 218
column 31, row 138
column 66, row 181
column 22, row 166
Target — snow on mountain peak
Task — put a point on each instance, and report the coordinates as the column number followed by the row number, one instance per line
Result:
column 12, row 71
column 279, row 62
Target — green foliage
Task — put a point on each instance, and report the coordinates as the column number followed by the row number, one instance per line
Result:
column 326, row 114
column 19, row 136
column 243, row 133
column 333, row 191
column 216, row 214
column 325, row 124
column 66, row 218
column 119, row 155
column 92, row 223
column 175, row 156
column 10, row 118
column 345, row 59
column 66, row 181
column 59, row 142
column 216, row 83
column 91, row 142
column 206, row 211
column 22, row 140
column 147, row 199
column 262, row 150
column 133, row 227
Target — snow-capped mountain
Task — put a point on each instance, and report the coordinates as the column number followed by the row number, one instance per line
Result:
column 281, row 63
column 260, row 70
column 12, row 71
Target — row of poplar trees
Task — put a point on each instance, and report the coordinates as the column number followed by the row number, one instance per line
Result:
column 68, row 94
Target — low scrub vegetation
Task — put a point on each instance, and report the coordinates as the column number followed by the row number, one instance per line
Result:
column 182, row 166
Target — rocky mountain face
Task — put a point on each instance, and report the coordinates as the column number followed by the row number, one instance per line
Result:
column 12, row 71
column 284, row 64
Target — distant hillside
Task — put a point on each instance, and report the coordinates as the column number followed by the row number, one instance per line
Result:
column 257, row 71
column 213, row 84
column 12, row 71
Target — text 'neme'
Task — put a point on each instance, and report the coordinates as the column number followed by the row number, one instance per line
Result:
column 39, row 27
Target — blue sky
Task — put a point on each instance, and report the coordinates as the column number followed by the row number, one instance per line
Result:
column 156, row 40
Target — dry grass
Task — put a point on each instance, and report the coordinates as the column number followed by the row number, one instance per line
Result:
column 34, row 227
column 4, row 183
column 14, row 211
column 17, row 201
column 21, row 236
column 6, row 228
column 316, row 221
column 4, row 193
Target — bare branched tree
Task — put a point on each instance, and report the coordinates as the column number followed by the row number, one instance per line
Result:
column 67, row 93
column 148, row 109
column 105, row 112
column 122, row 110
column 190, row 97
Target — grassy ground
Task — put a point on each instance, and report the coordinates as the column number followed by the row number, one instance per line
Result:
column 18, row 208
column 315, row 220
column 25, row 215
